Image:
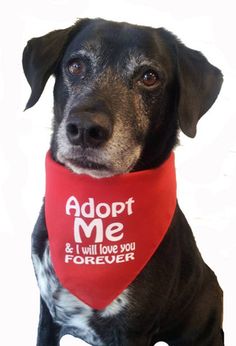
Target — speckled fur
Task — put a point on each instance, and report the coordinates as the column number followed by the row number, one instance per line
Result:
column 65, row 308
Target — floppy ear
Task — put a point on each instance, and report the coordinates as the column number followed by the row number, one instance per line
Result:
column 40, row 59
column 199, row 82
column 42, row 55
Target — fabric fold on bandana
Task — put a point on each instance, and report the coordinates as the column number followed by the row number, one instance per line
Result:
column 102, row 232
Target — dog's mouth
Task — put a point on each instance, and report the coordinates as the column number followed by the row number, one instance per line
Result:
column 91, row 166
column 84, row 163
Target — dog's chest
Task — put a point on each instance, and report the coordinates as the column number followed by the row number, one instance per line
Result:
column 65, row 308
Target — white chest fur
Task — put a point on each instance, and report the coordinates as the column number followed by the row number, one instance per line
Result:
column 65, row 308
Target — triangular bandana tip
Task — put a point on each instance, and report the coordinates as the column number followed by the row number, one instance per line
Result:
column 102, row 232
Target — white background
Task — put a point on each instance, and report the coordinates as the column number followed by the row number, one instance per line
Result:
column 206, row 165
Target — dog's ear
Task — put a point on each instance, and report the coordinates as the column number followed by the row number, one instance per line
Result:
column 200, row 83
column 42, row 55
column 40, row 59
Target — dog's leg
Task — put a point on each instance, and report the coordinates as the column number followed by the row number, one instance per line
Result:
column 48, row 331
column 216, row 340
column 139, row 340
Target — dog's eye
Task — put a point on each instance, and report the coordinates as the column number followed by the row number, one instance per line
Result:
column 149, row 78
column 75, row 67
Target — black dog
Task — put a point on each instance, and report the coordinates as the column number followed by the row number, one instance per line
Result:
column 121, row 93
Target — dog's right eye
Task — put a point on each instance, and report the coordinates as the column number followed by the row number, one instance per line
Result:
column 150, row 79
column 76, row 67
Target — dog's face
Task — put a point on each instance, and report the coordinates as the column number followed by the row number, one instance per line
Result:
column 121, row 93
column 115, row 79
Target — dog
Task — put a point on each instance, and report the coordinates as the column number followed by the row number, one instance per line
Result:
column 122, row 93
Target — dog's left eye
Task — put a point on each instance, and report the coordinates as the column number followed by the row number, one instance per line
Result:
column 149, row 79
column 76, row 67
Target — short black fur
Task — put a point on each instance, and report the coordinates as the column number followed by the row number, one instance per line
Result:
column 176, row 298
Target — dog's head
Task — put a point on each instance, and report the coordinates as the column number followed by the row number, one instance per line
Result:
column 121, row 93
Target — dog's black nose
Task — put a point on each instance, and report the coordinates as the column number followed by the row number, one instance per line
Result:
column 88, row 130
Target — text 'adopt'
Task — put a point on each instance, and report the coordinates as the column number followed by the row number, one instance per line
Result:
column 96, row 229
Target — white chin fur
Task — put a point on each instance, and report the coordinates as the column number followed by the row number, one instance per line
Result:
column 91, row 172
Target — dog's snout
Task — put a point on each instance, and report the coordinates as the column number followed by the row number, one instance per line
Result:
column 88, row 130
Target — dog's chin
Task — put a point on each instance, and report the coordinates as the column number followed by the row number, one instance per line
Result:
column 96, row 166
column 91, row 171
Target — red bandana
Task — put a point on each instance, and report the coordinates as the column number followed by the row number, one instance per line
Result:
column 102, row 232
